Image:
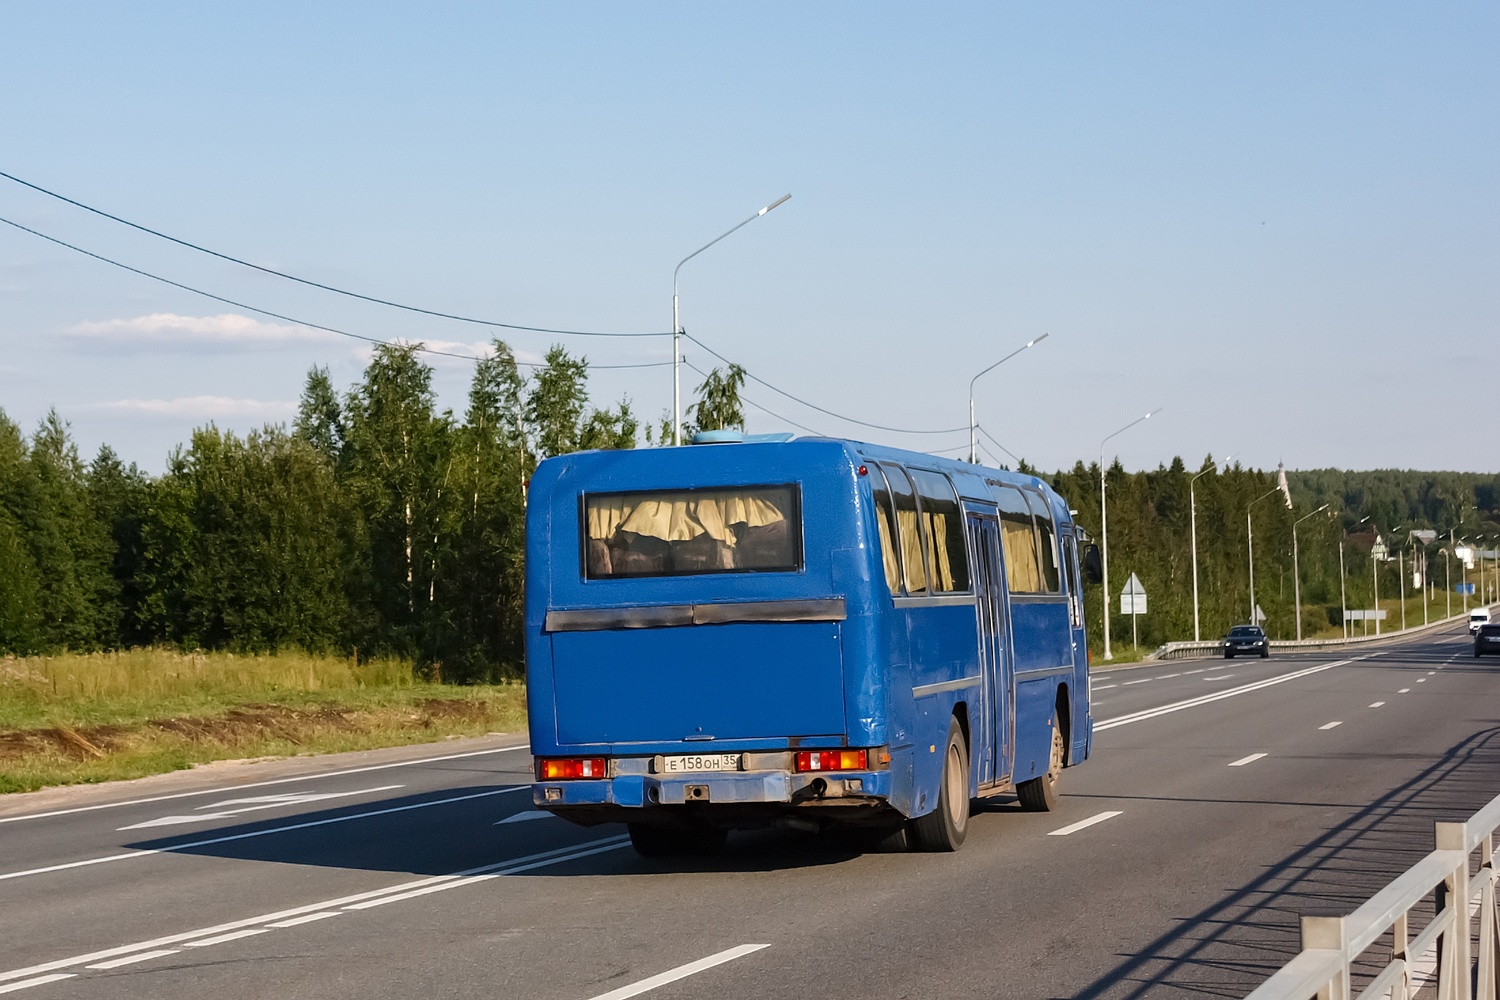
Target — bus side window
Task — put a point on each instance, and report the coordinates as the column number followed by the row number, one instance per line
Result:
column 885, row 524
column 1047, row 538
column 945, row 531
column 913, row 562
column 1023, row 573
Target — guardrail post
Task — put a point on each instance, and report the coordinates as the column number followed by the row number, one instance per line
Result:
column 1453, row 956
column 1489, row 923
column 1329, row 933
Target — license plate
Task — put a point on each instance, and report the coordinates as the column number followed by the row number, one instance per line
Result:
column 698, row 762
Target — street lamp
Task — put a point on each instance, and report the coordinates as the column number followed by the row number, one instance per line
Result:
column 1193, row 510
column 677, row 327
column 1250, row 541
column 1344, row 576
column 1104, row 520
column 973, row 427
column 1296, row 573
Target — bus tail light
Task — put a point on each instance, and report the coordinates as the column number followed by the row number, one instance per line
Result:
column 833, row 760
column 565, row 768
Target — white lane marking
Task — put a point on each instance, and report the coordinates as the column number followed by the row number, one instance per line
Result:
column 1331, row 725
column 531, row 861
column 681, row 972
column 253, row 833
column 38, row 981
column 1246, row 760
column 1219, row 667
column 252, row 805
column 1431, row 673
column 144, row 956
column 1167, row 677
column 468, row 879
column 1376, row 704
column 1104, row 687
column 221, row 789
column 1084, row 824
column 524, row 817
column 1205, row 699
column 1186, row 673
column 1404, row 691
column 1220, row 677
column 298, row 921
column 1421, row 680
column 1143, row 680
column 231, row 936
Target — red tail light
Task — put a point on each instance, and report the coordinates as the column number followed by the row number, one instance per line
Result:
column 833, row 760
column 566, row 768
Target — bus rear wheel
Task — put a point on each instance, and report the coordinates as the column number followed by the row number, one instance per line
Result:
column 1040, row 793
column 653, row 841
column 945, row 827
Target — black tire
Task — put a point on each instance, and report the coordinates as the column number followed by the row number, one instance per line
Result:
column 1264, row 653
column 653, row 841
column 945, row 827
column 1228, row 655
column 1040, row 793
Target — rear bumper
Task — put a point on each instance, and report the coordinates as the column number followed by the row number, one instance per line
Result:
column 739, row 788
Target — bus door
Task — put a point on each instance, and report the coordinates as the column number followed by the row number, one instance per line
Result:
column 995, row 724
column 1075, row 597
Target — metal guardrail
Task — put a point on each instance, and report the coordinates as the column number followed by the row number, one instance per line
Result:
column 1331, row 945
column 1190, row 650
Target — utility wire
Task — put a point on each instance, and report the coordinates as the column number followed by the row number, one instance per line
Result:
column 814, row 406
column 281, row 316
column 997, row 444
column 317, row 284
column 753, row 403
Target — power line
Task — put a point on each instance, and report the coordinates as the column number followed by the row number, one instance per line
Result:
column 282, row 316
column 753, row 403
column 815, row 406
column 317, row 284
column 997, row 444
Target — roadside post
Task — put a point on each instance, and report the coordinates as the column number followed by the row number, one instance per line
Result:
column 1133, row 603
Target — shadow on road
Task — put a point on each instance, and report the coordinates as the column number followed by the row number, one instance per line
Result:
column 1227, row 949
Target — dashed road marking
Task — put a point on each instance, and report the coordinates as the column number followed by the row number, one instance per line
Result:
column 1421, row 680
column 1246, row 760
column 1167, row 677
column 1186, row 673
column 309, row 918
column 231, row 936
column 38, row 981
column 144, row 956
column 1084, row 824
column 1104, row 687
column 1143, row 680
column 1331, row 725
column 1376, row 704
column 681, row 972
column 255, row 804
column 523, row 817
column 1404, row 691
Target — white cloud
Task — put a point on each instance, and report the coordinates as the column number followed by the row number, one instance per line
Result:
column 172, row 330
column 206, row 407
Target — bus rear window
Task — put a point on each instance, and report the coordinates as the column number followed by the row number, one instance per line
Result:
column 748, row 529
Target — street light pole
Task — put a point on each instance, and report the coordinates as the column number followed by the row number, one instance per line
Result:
column 1104, row 521
column 1193, row 512
column 677, row 326
column 973, row 426
column 1375, row 583
column 1343, row 601
column 1296, row 572
column 1250, row 548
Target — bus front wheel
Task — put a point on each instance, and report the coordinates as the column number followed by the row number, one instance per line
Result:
column 945, row 827
column 1040, row 793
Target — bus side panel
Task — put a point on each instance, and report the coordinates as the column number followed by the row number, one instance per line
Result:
column 1044, row 650
column 944, row 647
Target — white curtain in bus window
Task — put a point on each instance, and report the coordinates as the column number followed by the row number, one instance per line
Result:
column 691, row 531
column 945, row 531
column 885, row 524
column 913, row 563
column 1047, row 537
column 1018, row 537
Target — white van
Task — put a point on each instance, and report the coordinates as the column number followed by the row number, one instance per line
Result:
column 1478, row 617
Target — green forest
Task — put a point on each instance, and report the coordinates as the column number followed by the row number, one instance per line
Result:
column 380, row 525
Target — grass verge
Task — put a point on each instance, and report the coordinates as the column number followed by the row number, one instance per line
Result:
column 73, row 718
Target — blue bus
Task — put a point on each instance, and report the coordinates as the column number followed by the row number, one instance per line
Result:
column 811, row 633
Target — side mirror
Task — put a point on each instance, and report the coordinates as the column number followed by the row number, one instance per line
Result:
column 1093, row 568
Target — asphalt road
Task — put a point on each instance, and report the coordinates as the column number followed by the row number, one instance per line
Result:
column 1225, row 797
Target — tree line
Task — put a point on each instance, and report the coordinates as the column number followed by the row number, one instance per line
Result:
column 379, row 524
column 1150, row 534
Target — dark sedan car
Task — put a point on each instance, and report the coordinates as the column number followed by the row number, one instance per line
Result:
column 1487, row 640
column 1248, row 639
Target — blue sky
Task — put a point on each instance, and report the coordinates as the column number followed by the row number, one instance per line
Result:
column 1276, row 221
